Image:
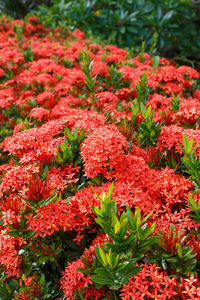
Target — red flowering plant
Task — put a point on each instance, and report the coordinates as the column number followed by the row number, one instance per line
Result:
column 129, row 242
column 76, row 116
column 113, row 263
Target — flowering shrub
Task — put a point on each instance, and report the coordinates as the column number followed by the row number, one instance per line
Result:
column 99, row 170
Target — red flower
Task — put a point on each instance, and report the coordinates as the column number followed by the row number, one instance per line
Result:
column 39, row 113
column 10, row 260
column 72, row 280
column 36, row 189
column 103, row 152
column 149, row 283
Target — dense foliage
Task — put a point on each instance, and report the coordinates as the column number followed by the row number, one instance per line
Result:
column 19, row 8
column 99, row 170
column 130, row 22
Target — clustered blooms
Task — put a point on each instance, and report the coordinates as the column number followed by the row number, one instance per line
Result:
column 103, row 152
column 150, row 283
column 46, row 191
column 10, row 260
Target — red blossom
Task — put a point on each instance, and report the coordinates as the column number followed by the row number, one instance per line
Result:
column 150, row 282
column 103, row 152
column 10, row 260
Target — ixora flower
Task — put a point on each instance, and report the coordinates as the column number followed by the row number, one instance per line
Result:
column 151, row 283
column 51, row 218
column 39, row 113
column 73, row 280
column 10, row 260
column 103, row 152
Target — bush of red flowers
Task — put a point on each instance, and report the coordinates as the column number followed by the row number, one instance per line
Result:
column 99, row 170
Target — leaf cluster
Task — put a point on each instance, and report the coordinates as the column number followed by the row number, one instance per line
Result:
column 190, row 160
column 19, row 8
column 175, row 103
column 131, row 239
column 149, row 131
column 70, row 151
column 143, row 90
column 146, row 132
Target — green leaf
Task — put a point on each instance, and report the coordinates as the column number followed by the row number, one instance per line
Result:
column 122, row 30
column 133, row 271
column 53, row 199
column 43, row 259
column 28, row 268
column 147, row 232
column 27, row 234
column 14, row 233
column 179, row 250
column 188, row 163
column 147, row 217
column 98, row 254
column 103, row 257
column 143, row 109
column 190, row 144
column 148, row 112
column 109, row 194
column 46, row 170
column 135, row 110
column 96, row 210
column 84, row 271
column 126, row 264
column 193, row 203
column 98, row 197
column 117, row 227
column 185, row 142
column 90, row 65
column 130, row 217
column 137, row 218
column 156, row 61
column 188, row 252
column 167, row 17
column 150, row 259
column 102, row 277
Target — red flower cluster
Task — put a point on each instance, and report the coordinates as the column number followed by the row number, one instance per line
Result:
column 150, row 283
column 103, row 152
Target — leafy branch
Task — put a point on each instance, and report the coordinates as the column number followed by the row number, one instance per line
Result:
column 131, row 240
